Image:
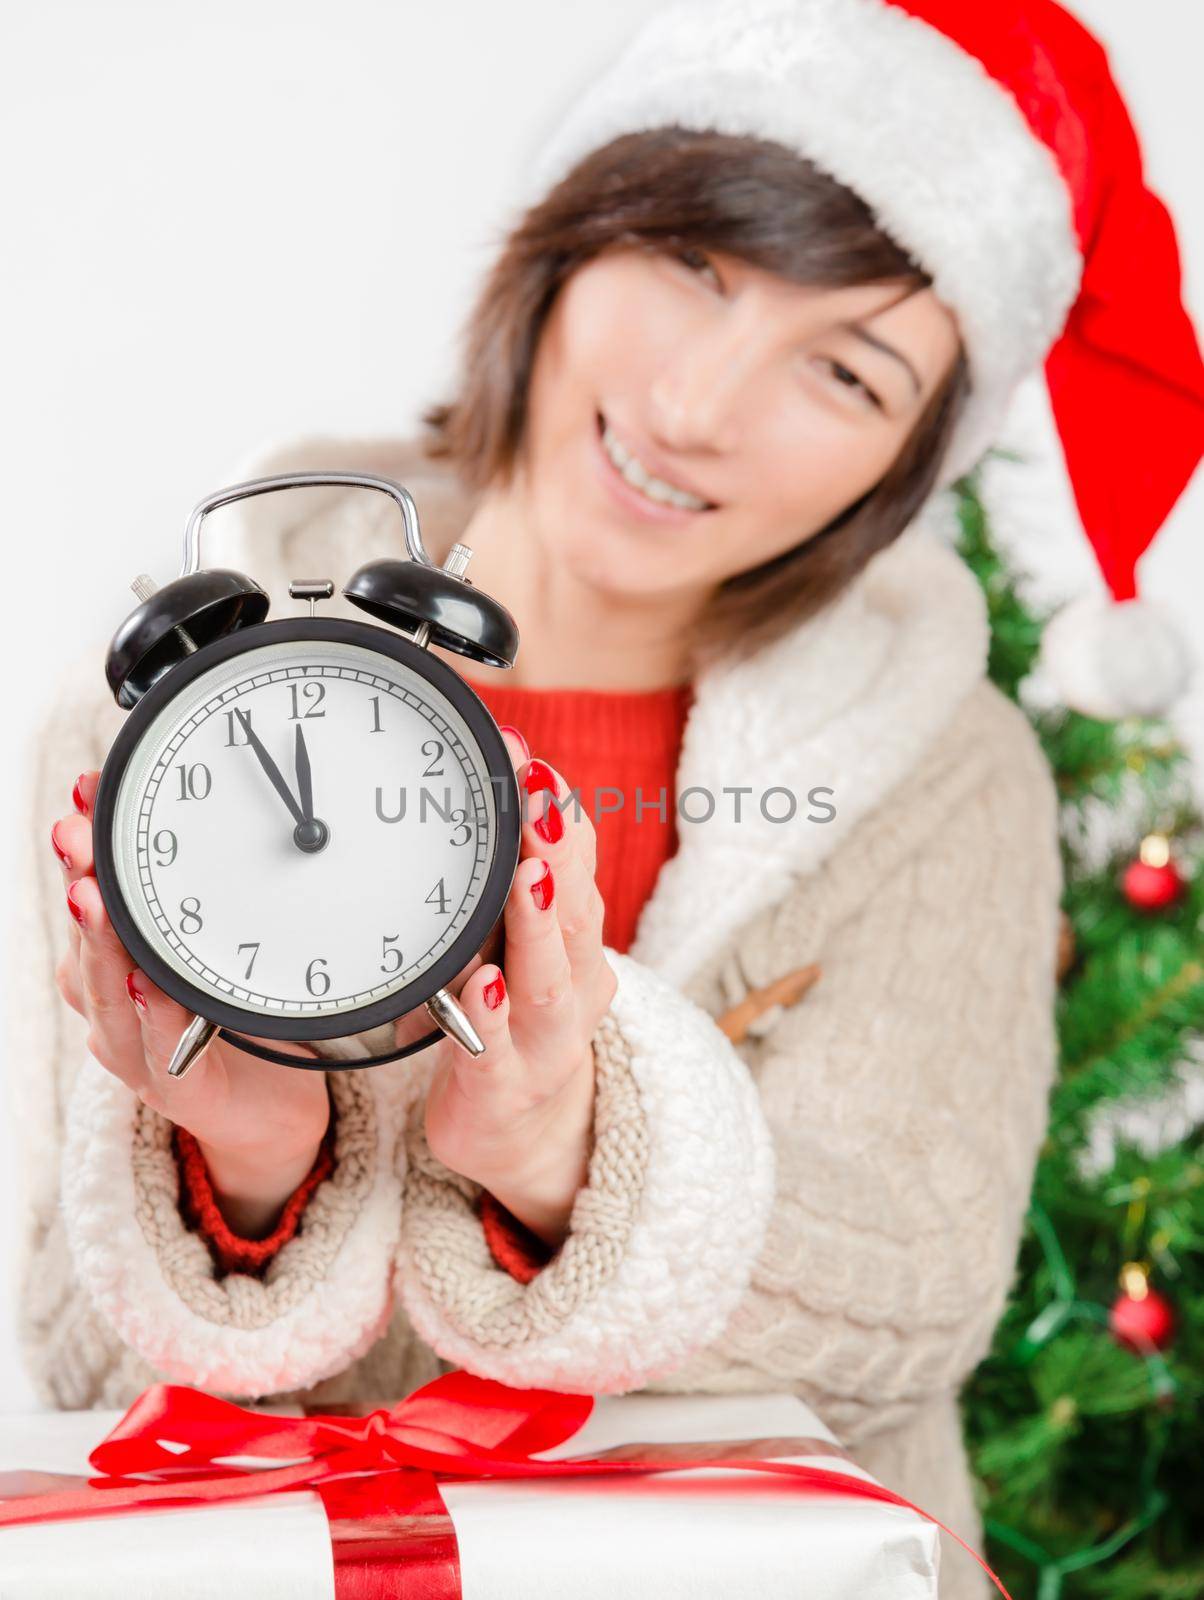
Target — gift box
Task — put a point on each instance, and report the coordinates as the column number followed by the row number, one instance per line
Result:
column 535, row 1494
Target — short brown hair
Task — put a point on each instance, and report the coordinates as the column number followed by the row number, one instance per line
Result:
column 672, row 188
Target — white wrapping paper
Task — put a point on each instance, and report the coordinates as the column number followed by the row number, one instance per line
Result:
column 644, row 1538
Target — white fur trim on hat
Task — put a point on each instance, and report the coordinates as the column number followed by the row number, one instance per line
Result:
column 898, row 112
column 1111, row 659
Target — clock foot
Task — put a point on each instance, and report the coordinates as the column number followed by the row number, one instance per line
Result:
column 193, row 1041
column 453, row 1019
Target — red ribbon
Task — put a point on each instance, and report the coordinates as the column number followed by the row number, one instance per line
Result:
column 377, row 1475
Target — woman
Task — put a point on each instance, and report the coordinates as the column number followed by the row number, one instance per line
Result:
column 708, row 393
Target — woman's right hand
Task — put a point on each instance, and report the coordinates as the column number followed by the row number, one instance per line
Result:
column 259, row 1124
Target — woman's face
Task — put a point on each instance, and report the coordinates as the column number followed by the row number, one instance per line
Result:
column 776, row 405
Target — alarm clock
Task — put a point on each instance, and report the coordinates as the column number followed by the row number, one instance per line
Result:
column 308, row 826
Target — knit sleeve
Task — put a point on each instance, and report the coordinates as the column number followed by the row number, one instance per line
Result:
column 661, row 1236
column 321, row 1301
column 909, row 1097
column 232, row 1251
column 513, row 1246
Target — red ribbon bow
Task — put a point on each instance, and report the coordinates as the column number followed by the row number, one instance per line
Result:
column 377, row 1475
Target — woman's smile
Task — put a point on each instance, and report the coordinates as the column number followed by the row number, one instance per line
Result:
column 635, row 487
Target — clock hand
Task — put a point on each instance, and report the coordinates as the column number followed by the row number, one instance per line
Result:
column 269, row 766
column 311, row 834
column 305, row 777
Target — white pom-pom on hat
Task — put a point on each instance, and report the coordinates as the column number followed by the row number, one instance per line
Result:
column 1108, row 658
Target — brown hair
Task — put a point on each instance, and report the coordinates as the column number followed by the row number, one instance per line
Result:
column 673, row 188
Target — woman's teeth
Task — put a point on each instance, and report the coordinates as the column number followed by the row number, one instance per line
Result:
column 636, row 473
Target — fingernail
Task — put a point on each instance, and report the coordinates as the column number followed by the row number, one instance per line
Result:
column 134, row 992
column 77, row 797
column 58, row 849
column 74, row 907
column 495, row 992
column 539, row 775
column 543, row 889
column 550, row 827
column 508, row 727
column 539, row 779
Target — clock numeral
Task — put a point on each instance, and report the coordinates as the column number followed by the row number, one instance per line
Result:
column 190, row 915
column 460, row 817
column 315, row 693
column 195, row 781
column 166, row 841
column 438, row 896
column 317, row 979
column 434, row 749
column 234, row 728
column 401, row 806
column 376, row 727
column 254, row 949
column 390, row 955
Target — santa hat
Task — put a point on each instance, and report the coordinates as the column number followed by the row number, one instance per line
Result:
column 992, row 143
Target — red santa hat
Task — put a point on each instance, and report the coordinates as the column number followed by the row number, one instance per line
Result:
column 992, row 143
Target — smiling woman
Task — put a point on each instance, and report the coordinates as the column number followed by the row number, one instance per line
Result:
column 707, row 392
column 716, row 314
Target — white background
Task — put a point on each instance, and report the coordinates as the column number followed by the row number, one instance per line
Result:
column 230, row 223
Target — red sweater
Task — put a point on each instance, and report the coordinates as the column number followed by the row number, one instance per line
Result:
column 619, row 750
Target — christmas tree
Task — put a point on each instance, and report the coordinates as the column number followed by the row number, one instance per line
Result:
column 1084, row 1422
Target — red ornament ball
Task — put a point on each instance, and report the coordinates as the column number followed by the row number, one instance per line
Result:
column 1142, row 1319
column 1153, row 880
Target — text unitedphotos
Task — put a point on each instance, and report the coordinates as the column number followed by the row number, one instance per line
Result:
column 777, row 804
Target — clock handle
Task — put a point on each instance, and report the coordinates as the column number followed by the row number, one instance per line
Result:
column 303, row 480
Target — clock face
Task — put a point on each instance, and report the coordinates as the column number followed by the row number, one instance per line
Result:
column 308, row 828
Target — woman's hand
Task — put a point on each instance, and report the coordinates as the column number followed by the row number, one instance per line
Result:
column 518, row 1119
column 259, row 1124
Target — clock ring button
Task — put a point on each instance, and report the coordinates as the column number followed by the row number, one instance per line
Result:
column 311, row 835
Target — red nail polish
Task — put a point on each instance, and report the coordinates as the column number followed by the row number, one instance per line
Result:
column 134, row 992
column 495, row 992
column 543, row 889
column 550, row 827
column 75, row 909
column 539, row 776
column 508, row 727
column 77, row 797
column 539, row 779
column 58, row 849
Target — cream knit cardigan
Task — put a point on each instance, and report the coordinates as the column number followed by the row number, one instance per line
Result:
column 830, row 1207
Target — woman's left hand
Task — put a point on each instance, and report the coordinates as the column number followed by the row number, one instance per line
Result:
column 518, row 1119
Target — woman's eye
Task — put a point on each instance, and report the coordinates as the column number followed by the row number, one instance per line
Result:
column 850, row 380
column 698, row 261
